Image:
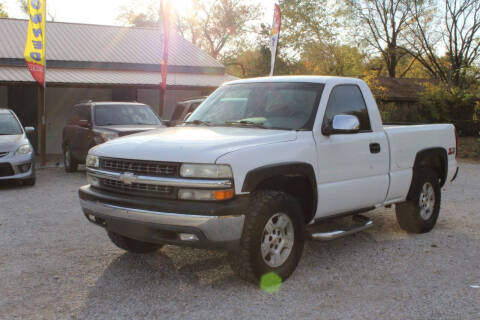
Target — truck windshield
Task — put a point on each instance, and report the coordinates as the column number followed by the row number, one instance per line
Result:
column 9, row 125
column 110, row 115
column 271, row 105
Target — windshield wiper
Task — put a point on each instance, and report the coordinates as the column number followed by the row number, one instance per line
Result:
column 198, row 122
column 246, row 123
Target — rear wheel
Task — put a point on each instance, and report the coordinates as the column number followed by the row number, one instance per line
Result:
column 132, row 245
column 420, row 212
column 70, row 163
column 273, row 238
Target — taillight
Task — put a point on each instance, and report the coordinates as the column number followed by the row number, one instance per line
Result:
column 456, row 142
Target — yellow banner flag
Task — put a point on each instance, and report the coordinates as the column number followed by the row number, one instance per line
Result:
column 35, row 45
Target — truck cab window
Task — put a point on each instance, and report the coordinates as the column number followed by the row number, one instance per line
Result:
column 85, row 113
column 80, row 113
column 347, row 99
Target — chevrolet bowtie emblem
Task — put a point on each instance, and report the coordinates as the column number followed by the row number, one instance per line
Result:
column 128, row 178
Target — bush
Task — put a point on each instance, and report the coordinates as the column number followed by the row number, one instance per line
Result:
column 467, row 128
column 438, row 103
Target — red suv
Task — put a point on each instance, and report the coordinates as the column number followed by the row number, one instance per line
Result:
column 93, row 123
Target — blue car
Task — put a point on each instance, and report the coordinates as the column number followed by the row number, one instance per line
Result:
column 16, row 151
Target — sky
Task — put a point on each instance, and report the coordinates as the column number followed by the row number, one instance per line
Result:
column 104, row 12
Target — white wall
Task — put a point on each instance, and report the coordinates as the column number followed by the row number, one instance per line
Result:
column 151, row 97
column 59, row 104
column 3, row 97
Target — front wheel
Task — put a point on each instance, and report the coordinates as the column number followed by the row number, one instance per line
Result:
column 273, row 238
column 132, row 245
column 420, row 212
column 71, row 165
column 29, row 182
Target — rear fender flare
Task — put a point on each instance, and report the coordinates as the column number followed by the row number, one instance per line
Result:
column 440, row 153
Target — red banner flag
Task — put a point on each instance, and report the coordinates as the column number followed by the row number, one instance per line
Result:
column 275, row 35
column 164, row 64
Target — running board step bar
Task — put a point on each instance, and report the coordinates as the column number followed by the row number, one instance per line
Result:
column 360, row 223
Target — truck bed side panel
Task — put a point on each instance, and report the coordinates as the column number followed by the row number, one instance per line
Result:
column 405, row 143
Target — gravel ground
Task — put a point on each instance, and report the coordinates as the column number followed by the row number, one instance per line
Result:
column 56, row 265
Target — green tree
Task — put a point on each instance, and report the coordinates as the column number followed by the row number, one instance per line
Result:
column 306, row 22
column 23, row 4
column 256, row 63
column 382, row 25
column 212, row 25
column 3, row 13
column 333, row 59
column 311, row 29
column 440, row 103
column 453, row 26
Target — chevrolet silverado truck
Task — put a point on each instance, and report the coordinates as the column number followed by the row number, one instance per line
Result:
column 260, row 164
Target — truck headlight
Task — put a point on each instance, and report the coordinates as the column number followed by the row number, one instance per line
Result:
column 109, row 136
column 206, row 171
column 104, row 136
column 200, row 194
column 92, row 161
column 23, row 149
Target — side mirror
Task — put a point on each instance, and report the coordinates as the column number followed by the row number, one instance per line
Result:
column 343, row 124
column 84, row 123
column 29, row 130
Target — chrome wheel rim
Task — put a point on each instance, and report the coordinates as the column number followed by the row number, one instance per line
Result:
column 427, row 201
column 277, row 240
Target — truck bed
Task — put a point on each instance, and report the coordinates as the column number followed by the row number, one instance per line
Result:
column 406, row 141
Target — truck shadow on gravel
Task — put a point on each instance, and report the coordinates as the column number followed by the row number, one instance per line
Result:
column 147, row 281
column 165, row 280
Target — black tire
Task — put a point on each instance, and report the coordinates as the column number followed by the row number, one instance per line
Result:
column 132, row 245
column 71, row 165
column 409, row 213
column 247, row 262
column 29, row 182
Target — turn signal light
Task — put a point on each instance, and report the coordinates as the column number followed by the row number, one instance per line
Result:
column 223, row 194
column 205, row 195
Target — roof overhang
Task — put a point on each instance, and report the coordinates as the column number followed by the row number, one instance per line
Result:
column 94, row 77
column 13, row 62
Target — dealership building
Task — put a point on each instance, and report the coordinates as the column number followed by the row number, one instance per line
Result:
column 100, row 63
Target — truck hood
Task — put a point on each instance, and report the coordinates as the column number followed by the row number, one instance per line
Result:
column 189, row 144
column 10, row 143
column 128, row 129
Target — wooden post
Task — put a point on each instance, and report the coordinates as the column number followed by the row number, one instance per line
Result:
column 161, row 102
column 42, row 117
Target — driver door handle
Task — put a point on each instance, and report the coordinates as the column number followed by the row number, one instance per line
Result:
column 375, row 147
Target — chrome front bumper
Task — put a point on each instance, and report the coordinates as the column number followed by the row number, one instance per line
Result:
column 211, row 229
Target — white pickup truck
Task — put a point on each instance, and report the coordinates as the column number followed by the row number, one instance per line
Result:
column 262, row 162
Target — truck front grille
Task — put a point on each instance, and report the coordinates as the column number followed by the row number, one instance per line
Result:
column 6, row 170
column 137, row 188
column 139, row 167
column 3, row 154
